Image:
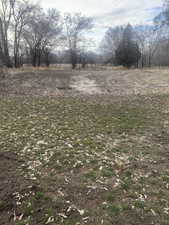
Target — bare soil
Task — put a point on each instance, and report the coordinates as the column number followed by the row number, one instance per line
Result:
column 12, row 183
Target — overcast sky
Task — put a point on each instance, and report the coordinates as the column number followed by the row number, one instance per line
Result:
column 109, row 12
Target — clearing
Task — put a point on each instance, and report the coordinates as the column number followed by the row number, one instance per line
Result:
column 84, row 147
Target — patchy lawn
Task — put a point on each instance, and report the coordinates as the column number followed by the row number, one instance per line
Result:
column 70, row 161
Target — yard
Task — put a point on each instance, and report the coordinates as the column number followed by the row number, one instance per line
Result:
column 84, row 147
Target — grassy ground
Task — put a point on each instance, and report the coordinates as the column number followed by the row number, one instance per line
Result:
column 86, row 160
column 53, row 82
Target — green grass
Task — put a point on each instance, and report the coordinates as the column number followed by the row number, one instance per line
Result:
column 87, row 154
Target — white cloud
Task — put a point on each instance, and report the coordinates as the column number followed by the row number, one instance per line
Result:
column 98, row 7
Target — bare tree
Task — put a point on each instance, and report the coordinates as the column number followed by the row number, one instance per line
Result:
column 85, row 46
column 22, row 11
column 5, row 19
column 41, row 29
column 148, row 39
column 152, row 45
column 75, row 27
column 161, row 22
column 162, row 19
column 47, row 52
column 142, row 35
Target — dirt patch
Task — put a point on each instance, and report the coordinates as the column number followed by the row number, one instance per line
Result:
column 12, row 186
column 85, row 85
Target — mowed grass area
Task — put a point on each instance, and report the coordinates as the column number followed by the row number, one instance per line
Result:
column 101, row 161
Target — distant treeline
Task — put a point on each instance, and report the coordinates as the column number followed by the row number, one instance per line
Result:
column 31, row 35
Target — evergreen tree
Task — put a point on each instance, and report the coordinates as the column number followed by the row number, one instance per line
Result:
column 128, row 53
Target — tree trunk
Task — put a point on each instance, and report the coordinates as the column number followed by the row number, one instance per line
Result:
column 83, row 65
column 7, row 59
column 4, row 45
column 47, row 61
column 149, row 61
column 73, row 60
column 34, row 58
column 16, row 58
column 39, row 60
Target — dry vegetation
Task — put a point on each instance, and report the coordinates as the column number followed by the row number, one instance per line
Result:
column 57, row 81
column 93, row 150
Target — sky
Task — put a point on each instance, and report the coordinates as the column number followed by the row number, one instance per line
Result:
column 109, row 13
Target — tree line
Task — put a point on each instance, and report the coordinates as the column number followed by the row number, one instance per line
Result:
column 31, row 35
column 140, row 45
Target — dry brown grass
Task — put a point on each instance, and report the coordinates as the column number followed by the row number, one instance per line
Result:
column 113, row 81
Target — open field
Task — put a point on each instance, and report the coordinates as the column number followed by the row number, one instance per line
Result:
column 44, row 82
column 88, row 147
